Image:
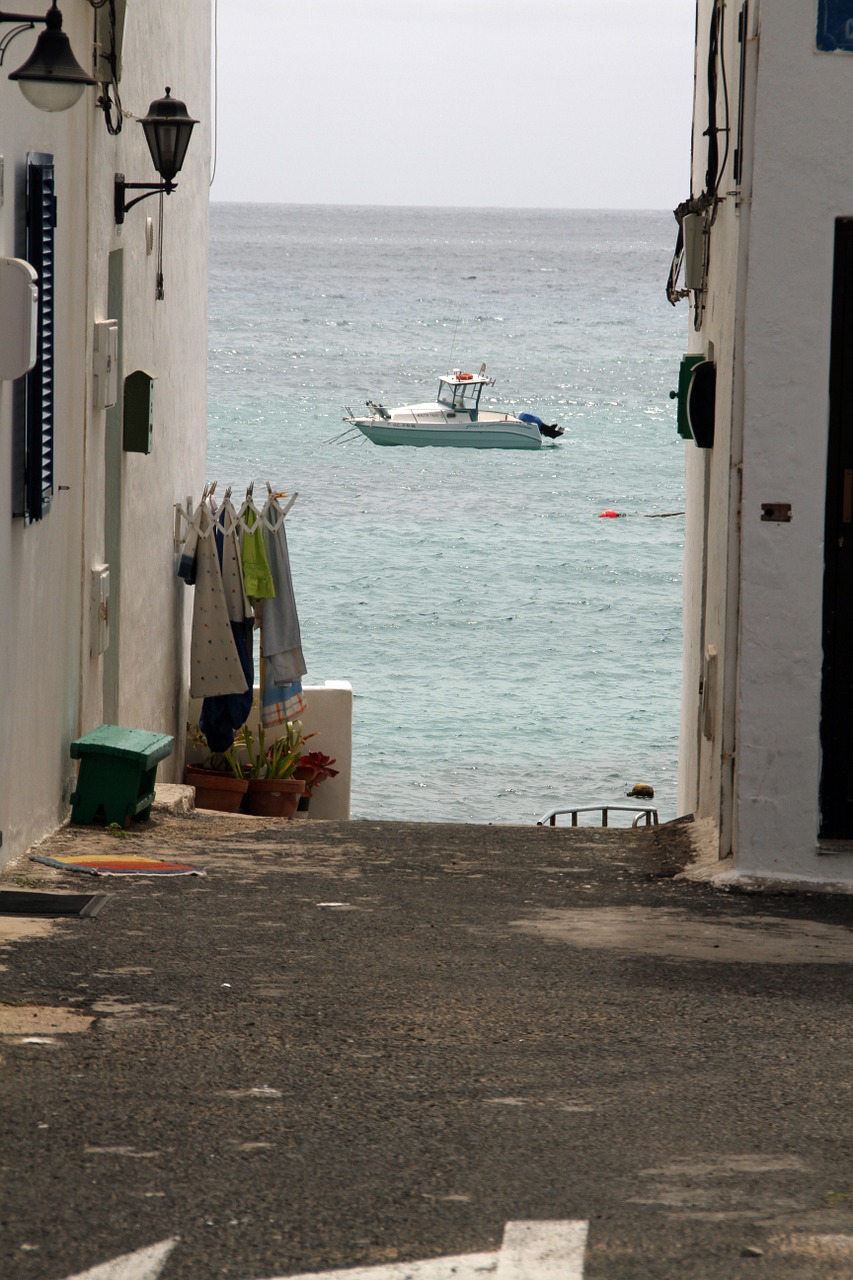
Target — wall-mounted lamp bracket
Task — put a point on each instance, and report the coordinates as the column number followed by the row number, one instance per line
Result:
column 167, row 129
column 148, row 189
column 24, row 24
column 51, row 78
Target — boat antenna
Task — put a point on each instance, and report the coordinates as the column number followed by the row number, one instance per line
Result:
column 453, row 339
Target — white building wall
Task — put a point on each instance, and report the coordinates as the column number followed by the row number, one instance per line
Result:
column 712, row 486
column 169, row 339
column 803, row 119
column 769, row 319
column 51, row 687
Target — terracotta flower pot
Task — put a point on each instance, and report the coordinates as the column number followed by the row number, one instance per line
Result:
column 273, row 797
column 216, row 790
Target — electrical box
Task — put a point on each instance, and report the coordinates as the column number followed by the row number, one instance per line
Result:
column 100, row 616
column 138, row 412
column 693, row 228
column 105, row 364
column 18, row 317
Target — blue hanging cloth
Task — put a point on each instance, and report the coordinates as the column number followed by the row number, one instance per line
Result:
column 223, row 714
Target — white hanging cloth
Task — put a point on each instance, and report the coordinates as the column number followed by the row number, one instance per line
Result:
column 215, row 666
column 236, row 600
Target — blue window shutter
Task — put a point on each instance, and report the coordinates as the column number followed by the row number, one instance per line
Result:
column 39, row 435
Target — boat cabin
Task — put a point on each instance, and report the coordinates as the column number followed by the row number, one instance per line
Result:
column 460, row 392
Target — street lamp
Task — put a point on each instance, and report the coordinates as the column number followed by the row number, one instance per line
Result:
column 51, row 78
column 167, row 129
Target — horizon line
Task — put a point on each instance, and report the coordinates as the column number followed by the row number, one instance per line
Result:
column 456, row 208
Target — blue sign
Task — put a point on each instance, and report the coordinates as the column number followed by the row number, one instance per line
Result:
column 835, row 26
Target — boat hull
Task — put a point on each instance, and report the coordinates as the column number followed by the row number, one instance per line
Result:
column 472, row 436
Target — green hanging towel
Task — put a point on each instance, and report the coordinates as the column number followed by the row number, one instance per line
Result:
column 256, row 569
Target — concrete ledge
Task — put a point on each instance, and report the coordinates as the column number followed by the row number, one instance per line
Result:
column 328, row 714
column 173, row 797
column 724, row 874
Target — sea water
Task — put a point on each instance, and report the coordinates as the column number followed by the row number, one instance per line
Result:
column 509, row 649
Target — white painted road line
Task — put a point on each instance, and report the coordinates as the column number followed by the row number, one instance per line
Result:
column 467, row 1266
column 542, row 1251
column 530, row 1251
column 145, row 1264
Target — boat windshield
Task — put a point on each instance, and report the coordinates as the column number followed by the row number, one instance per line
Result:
column 461, row 396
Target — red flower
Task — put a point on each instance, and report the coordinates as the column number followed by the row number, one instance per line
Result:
column 313, row 768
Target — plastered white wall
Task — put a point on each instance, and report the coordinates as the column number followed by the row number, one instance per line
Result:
column 50, row 684
column 711, row 484
column 328, row 714
column 803, row 116
column 169, row 339
column 771, row 289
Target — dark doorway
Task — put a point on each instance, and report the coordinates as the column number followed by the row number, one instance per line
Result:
column 836, row 729
column 113, row 472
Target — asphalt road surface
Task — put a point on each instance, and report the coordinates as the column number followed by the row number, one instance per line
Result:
column 374, row 1045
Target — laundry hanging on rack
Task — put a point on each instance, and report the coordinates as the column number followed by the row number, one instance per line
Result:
column 239, row 562
column 279, row 703
column 222, row 714
column 283, row 662
column 256, row 570
column 215, row 666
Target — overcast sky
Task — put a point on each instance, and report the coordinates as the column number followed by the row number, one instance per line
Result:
column 536, row 103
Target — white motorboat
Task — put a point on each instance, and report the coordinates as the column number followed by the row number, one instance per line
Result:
column 455, row 419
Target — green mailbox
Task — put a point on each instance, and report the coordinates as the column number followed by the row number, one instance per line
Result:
column 685, row 372
column 138, row 411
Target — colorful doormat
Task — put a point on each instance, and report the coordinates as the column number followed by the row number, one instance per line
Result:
column 111, row 864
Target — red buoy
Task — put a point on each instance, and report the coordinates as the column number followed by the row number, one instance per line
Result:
column 610, row 515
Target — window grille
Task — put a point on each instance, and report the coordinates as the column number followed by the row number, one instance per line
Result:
column 36, row 491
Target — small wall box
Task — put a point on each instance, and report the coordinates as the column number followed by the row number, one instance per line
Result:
column 138, row 412
column 105, row 364
column 18, row 317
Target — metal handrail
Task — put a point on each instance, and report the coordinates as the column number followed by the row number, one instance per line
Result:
column 650, row 815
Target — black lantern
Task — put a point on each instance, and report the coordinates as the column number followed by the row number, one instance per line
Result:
column 51, row 78
column 167, row 129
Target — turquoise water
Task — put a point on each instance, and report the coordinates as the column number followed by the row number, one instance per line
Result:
column 508, row 649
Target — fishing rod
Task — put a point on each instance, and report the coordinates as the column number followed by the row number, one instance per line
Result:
column 349, row 431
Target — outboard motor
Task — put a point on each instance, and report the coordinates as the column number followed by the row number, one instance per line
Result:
column 545, row 428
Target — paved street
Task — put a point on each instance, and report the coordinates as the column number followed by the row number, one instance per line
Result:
column 374, row 1044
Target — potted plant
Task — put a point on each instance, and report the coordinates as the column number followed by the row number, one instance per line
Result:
column 217, row 777
column 273, row 791
column 313, row 768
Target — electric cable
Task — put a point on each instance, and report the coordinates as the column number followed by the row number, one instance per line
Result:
column 712, row 170
column 215, row 94
column 725, row 81
column 105, row 102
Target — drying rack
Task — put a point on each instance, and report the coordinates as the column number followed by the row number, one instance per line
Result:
column 185, row 514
